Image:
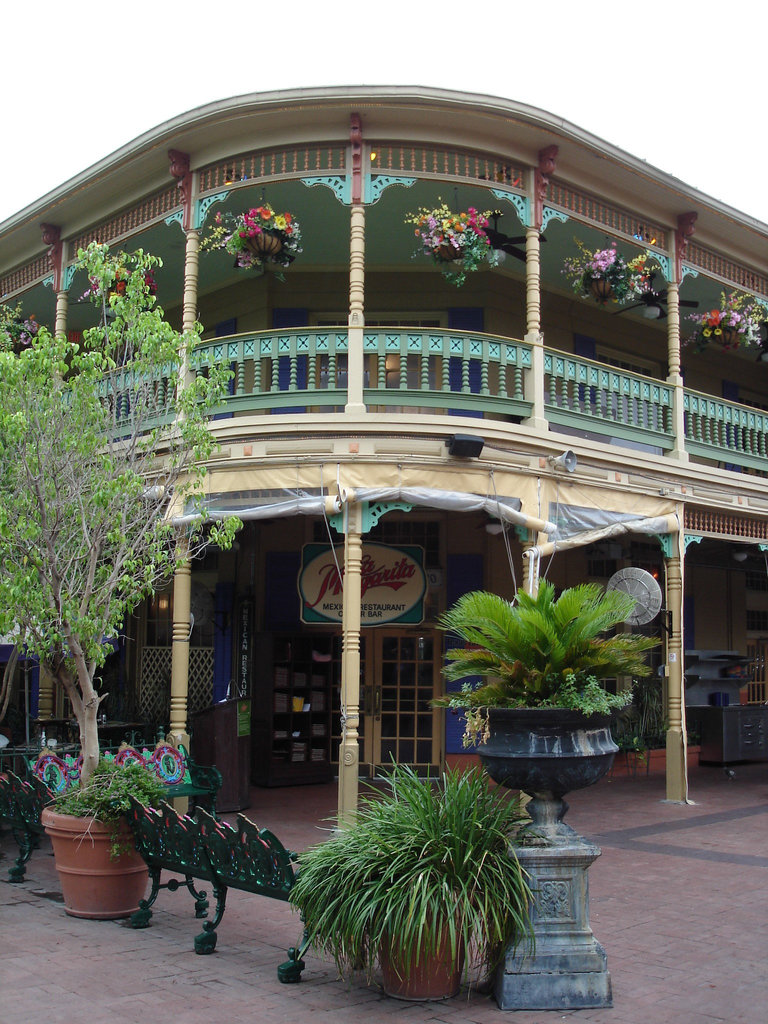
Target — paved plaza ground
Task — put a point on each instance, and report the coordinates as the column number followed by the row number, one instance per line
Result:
column 679, row 899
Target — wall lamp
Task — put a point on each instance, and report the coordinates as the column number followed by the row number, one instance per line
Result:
column 567, row 461
column 464, row 446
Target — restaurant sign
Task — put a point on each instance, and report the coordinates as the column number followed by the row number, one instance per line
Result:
column 392, row 585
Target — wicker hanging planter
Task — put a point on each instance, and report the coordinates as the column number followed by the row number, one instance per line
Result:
column 601, row 289
column 729, row 338
column 448, row 252
column 264, row 245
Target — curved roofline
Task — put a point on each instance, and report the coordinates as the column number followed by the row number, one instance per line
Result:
column 349, row 96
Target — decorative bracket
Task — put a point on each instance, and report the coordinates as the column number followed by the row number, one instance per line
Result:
column 692, row 538
column 339, row 184
column 177, row 217
column 521, row 203
column 370, row 514
column 47, row 282
column 180, row 170
column 541, row 176
column 67, row 276
column 548, row 214
column 666, row 540
column 686, row 225
column 686, row 271
column 204, row 205
column 665, row 263
column 376, row 183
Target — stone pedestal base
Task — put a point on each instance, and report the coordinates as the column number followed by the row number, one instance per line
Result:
column 567, row 967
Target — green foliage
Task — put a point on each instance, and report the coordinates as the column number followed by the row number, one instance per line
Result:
column 541, row 651
column 422, row 858
column 97, row 438
column 104, row 797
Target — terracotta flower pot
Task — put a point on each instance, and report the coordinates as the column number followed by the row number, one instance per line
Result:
column 434, row 975
column 264, row 245
column 92, row 883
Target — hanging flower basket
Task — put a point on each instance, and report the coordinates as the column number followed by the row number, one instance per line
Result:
column 737, row 323
column 265, row 244
column 451, row 238
column 256, row 237
column 16, row 330
column 601, row 289
column 605, row 275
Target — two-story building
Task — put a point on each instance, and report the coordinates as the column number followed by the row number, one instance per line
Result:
column 413, row 438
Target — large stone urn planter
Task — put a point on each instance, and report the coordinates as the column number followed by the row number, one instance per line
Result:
column 95, row 885
column 546, row 753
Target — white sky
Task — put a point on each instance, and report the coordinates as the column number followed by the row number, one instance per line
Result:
column 680, row 84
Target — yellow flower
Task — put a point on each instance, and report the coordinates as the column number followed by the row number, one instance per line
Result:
column 280, row 222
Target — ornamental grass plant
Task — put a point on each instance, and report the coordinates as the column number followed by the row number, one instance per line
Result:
column 425, row 859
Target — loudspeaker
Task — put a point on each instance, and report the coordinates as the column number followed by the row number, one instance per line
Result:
column 464, row 446
column 566, row 461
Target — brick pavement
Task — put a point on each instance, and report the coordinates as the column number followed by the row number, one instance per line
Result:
column 678, row 899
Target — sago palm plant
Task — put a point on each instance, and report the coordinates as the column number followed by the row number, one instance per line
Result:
column 542, row 651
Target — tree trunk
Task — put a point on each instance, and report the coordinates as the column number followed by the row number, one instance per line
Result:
column 85, row 705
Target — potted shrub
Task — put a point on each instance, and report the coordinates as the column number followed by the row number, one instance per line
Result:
column 539, row 716
column 102, row 876
column 421, row 880
column 457, row 242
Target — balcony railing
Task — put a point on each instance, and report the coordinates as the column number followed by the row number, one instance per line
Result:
column 607, row 402
column 439, row 371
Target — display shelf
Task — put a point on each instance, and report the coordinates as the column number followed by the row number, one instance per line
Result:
column 292, row 710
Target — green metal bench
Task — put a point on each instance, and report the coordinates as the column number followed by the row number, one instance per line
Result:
column 21, row 804
column 204, row 849
column 179, row 773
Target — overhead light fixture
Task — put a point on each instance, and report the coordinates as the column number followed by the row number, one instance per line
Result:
column 464, row 446
column 652, row 312
column 567, row 461
column 494, row 528
column 740, row 556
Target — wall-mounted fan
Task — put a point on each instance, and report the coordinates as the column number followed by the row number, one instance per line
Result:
column 654, row 303
column 201, row 605
column 644, row 588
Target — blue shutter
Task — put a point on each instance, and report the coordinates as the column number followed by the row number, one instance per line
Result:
column 464, row 573
column 222, row 330
column 730, row 391
column 281, row 595
column 291, row 317
column 465, row 318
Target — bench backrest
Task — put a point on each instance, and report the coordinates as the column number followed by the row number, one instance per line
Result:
column 22, row 801
column 245, row 857
column 61, row 773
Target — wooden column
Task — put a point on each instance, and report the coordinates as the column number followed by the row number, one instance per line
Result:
column 674, row 377
column 349, row 749
column 356, row 320
column 182, row 586
column 677, row 775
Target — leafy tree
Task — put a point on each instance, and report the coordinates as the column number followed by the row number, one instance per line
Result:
column 100, row 440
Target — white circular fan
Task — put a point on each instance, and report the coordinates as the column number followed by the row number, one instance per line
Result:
column 201, row 605
column 644, row 588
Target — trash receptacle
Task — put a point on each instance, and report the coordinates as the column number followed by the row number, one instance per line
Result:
column 221, row 735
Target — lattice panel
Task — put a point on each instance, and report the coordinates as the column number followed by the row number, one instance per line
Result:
column 721, row 524
column 273, row 163
column 152, row 208
column 444, row 162
column 589, row 207
column 155, row 683
column 24, row 276
column 735, row 273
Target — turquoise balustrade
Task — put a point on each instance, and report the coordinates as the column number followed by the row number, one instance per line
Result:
column 606, row 402
column 729, row 433
column 437, row 371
